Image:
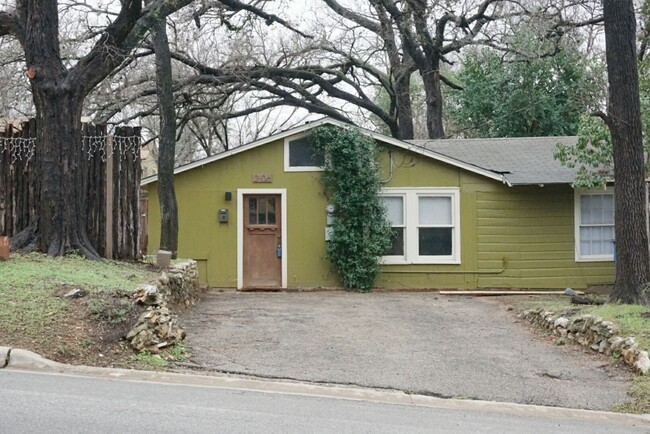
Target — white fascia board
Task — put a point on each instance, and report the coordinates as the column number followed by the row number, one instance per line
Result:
column 246, row 147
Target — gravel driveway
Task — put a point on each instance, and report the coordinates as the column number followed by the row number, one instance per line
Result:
column 421, row 342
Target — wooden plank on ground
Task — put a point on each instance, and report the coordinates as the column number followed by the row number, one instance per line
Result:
column 494, row 293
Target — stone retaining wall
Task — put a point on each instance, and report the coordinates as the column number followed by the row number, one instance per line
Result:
column 179, row 284
column 176, row 289
column 592, row 331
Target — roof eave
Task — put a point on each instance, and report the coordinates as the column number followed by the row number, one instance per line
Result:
column 377, row 136
column 540, row 183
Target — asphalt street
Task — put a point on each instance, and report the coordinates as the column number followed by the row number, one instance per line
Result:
column 54, row 403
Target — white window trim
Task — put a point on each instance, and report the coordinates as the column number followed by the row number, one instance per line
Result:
column 240, row 230
column 577, row 215
column 397, row 259
column 411, row 225
column 287, row 167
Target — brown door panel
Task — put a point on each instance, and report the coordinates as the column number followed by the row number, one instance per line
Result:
column 262, row 239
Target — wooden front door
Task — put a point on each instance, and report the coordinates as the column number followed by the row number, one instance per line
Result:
column 262, row 241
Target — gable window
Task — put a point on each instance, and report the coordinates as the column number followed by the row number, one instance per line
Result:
column 425, row 224
column 594, row 233
column 299, row 155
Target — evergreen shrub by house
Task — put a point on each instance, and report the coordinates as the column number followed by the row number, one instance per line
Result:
column 361, row 232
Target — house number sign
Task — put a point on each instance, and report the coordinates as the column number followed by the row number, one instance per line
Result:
column 262, row 178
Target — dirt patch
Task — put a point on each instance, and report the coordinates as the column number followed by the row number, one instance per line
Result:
column 35, row 316
column 76, row 338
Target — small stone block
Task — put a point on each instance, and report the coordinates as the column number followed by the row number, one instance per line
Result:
column 4, row 248
column 75, row 293
column 163, row 258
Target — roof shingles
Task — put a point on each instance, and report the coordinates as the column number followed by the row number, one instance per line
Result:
column 522, row 161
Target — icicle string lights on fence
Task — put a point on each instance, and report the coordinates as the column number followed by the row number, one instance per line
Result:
column 122, row 145
column 17, row 148
column 20, row 148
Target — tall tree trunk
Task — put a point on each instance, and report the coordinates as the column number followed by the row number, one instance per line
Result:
column 433, row 94
column 404, row 107
column 60, row 225
column 624, row 120
column 167, row 141
column 60, row 218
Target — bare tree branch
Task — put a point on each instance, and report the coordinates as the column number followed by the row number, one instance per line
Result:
column 10, row 25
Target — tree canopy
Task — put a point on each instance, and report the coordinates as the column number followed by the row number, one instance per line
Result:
column 523, row 96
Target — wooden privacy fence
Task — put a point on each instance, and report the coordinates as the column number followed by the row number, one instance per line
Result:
column 110, row 175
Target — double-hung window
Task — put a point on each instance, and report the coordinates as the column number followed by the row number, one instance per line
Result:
column 425, row 225
column 594, row 233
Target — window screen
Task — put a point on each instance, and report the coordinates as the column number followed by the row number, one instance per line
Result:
column 302, row 154
column 597, row 225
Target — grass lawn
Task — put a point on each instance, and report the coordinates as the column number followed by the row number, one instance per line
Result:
column 633, row 320
column 35, row 316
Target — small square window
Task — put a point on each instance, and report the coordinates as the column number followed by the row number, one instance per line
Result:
column 301, row 155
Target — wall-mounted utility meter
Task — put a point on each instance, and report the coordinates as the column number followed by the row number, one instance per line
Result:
column 223, row 215
column 329, row 230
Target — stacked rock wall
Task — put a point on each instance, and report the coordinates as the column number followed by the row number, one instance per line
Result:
column 176, row 289
column 179, row 284
column 592, row 331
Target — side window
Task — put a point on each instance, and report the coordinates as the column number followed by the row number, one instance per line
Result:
column 595, row 226
column 300, row 155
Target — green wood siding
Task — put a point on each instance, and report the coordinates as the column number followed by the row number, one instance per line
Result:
column 201, row 193
column 531, row 227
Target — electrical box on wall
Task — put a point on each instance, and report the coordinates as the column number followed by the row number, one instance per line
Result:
column 223, row 215
column 329, row 230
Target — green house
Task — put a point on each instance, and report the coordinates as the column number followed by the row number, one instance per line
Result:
column 488, row 213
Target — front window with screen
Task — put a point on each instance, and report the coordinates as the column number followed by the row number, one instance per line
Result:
column 301, row 154
column 595, row 231
column 425, row 223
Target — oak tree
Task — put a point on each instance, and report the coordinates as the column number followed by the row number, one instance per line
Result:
column 624, row 121
column 58, row 92
column 59, row 88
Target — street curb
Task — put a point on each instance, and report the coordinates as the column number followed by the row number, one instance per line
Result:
column 4, row 356
column 27, row 361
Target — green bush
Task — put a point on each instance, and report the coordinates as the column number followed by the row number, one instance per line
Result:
column 361, row 232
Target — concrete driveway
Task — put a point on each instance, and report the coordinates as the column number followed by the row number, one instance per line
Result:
column 417, row 342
